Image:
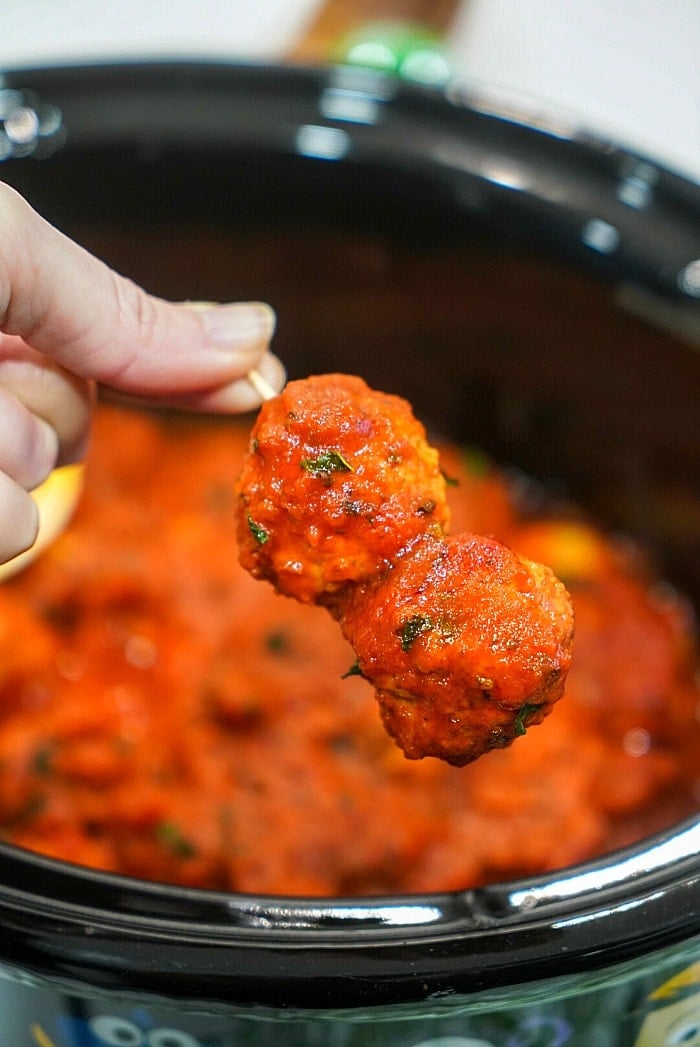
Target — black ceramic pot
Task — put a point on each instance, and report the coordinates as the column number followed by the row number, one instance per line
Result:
column 532, row 292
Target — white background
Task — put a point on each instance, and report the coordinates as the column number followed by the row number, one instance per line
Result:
column 627, row 69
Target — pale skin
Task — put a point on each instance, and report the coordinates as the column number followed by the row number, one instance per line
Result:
column 68, row 324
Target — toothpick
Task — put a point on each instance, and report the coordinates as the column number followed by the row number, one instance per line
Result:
column 261, row 385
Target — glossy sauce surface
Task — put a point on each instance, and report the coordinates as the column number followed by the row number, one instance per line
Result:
column 164, row 715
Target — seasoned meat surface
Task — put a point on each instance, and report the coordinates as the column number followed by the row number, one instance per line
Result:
column 466, row 643
column 339, row 479
column 342, row 502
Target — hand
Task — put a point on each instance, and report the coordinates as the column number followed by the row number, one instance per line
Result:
column 67, row 322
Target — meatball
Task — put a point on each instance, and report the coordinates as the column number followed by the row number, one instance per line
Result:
column 339, row 479
column 341, row 502
column 466, row 642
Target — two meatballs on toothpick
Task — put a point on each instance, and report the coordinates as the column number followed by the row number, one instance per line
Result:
column 341, row 502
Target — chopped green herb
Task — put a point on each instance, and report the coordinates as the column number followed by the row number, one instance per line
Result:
column 413, row 628
column 171, row 836
column 327, row 463
column 26, row 814
column 33, row 807
column 254, row 444
column 277, row 642
column 341, row 743
column 476, row 461
column 43, row 757
column 524, row 714
column 259, row 533
column 354, row 670
column 63, row 616
column 450, row 481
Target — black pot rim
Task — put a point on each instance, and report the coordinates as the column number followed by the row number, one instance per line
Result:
column 536, row 179
column 108, row 931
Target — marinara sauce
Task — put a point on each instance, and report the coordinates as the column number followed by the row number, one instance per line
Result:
column 164, row 715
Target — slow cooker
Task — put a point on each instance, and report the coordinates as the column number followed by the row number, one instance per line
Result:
column 531, row 290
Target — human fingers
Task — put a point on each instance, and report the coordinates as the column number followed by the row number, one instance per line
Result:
column 49, row 394
column 47, row 429
column 19, row 519
column 28, row 444
column 236, row 397
column 101, row 326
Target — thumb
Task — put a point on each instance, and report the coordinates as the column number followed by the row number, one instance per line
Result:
column 98, row 325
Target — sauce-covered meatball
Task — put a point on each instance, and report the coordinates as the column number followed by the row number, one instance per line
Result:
column 466, row 642
column 342, row 502
column 339, row 479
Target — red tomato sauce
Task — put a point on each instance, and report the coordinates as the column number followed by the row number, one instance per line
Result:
column 164, row 715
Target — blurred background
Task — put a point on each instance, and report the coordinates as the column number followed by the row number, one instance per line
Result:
column 628, row 71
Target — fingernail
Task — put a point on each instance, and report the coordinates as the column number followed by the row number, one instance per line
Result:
column 236, row 325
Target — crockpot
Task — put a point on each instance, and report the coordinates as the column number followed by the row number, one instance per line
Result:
column 532, row 291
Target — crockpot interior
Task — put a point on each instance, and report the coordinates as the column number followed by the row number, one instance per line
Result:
column 440, row 251
column 498, row 277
